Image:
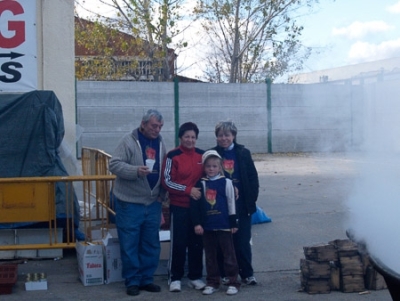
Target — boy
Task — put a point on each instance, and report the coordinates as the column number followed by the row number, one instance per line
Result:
column 214, row 217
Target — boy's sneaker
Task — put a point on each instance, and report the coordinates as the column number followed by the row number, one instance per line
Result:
column 196, row 284
column 208, row 290
column 225, row 281
column 231, row 290
column 175, row 286
column 250, row 280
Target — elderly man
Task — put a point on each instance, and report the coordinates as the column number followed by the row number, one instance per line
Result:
column 137, row 195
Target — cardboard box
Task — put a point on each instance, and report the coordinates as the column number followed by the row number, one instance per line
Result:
column 36, row 282
column 165, row 244
column 165, row 250
column 90, row 263
column 111, row 256
column 98, row 232
column 36, row 285
column 112, row 259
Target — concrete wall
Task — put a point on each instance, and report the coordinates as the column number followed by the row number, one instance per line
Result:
column 245, row 104
column 108, row 110
column 56, row 69
column 381, row 128
column 311, row 118
column 53, row 64
column 305, row 118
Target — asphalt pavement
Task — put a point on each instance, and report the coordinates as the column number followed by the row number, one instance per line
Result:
column 304, row 195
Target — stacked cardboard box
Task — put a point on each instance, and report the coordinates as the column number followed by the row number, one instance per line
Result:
column 165, row 243
column 100, row 261
column 90, row 263
column 112, row 259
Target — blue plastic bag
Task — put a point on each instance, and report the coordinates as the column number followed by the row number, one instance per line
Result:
column 259, row 217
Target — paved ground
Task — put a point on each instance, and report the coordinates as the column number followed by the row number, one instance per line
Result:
column 305, row 197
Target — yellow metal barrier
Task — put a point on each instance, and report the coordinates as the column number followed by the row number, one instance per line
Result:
column 95, row 162
column 33, row 199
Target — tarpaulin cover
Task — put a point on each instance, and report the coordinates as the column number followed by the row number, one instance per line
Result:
column 31, row 131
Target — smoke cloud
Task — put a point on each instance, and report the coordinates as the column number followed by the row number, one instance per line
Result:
column 374, row 205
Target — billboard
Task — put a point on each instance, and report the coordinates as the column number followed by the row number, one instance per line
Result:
column 18, row 46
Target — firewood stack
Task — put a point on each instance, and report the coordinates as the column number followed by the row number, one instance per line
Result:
column 337, row 265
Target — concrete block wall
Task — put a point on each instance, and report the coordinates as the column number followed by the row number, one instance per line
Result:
column 305, row 118
column 381, row 128
column 315, row 118
column 245, row 104
column 108, row 110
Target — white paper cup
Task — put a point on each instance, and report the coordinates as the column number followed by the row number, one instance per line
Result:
column 150, row 163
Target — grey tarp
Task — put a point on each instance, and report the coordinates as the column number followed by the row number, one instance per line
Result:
column 31, row 131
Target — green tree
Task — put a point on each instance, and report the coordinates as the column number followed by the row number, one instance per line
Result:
column 104, row 49
column 253, row 39
column 151, row 21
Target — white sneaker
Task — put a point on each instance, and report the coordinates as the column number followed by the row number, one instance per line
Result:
column 196, row 284
column 225, row 281
column 231, row 290
column 208, row 290
column 175, row 286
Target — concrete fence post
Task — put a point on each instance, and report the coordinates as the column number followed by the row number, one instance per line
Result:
column 176, row 109
column 269, row 121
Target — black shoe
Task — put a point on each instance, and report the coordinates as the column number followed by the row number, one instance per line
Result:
column 133, row 290
column 153, row 288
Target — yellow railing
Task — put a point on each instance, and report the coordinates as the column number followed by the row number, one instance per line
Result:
column 33, row 200
column 95, row 162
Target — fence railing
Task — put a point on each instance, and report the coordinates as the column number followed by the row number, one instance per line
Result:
column 33, row 200
column 95, row 163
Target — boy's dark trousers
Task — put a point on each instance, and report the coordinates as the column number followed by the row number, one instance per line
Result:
column 215, row 242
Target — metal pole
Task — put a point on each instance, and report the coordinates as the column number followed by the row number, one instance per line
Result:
column 176, row 109
column 269, row 122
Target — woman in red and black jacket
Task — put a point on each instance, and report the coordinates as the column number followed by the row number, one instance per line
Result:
column 182, row 169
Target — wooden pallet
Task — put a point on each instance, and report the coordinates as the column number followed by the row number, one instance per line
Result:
column 315, row 270
column 321, row 252
column 315, row 286
column 339, row 265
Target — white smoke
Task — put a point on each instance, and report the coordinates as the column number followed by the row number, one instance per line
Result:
column 374, row 205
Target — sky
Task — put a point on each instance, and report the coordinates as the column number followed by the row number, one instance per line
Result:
column 340, row 32
column 352, row 31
